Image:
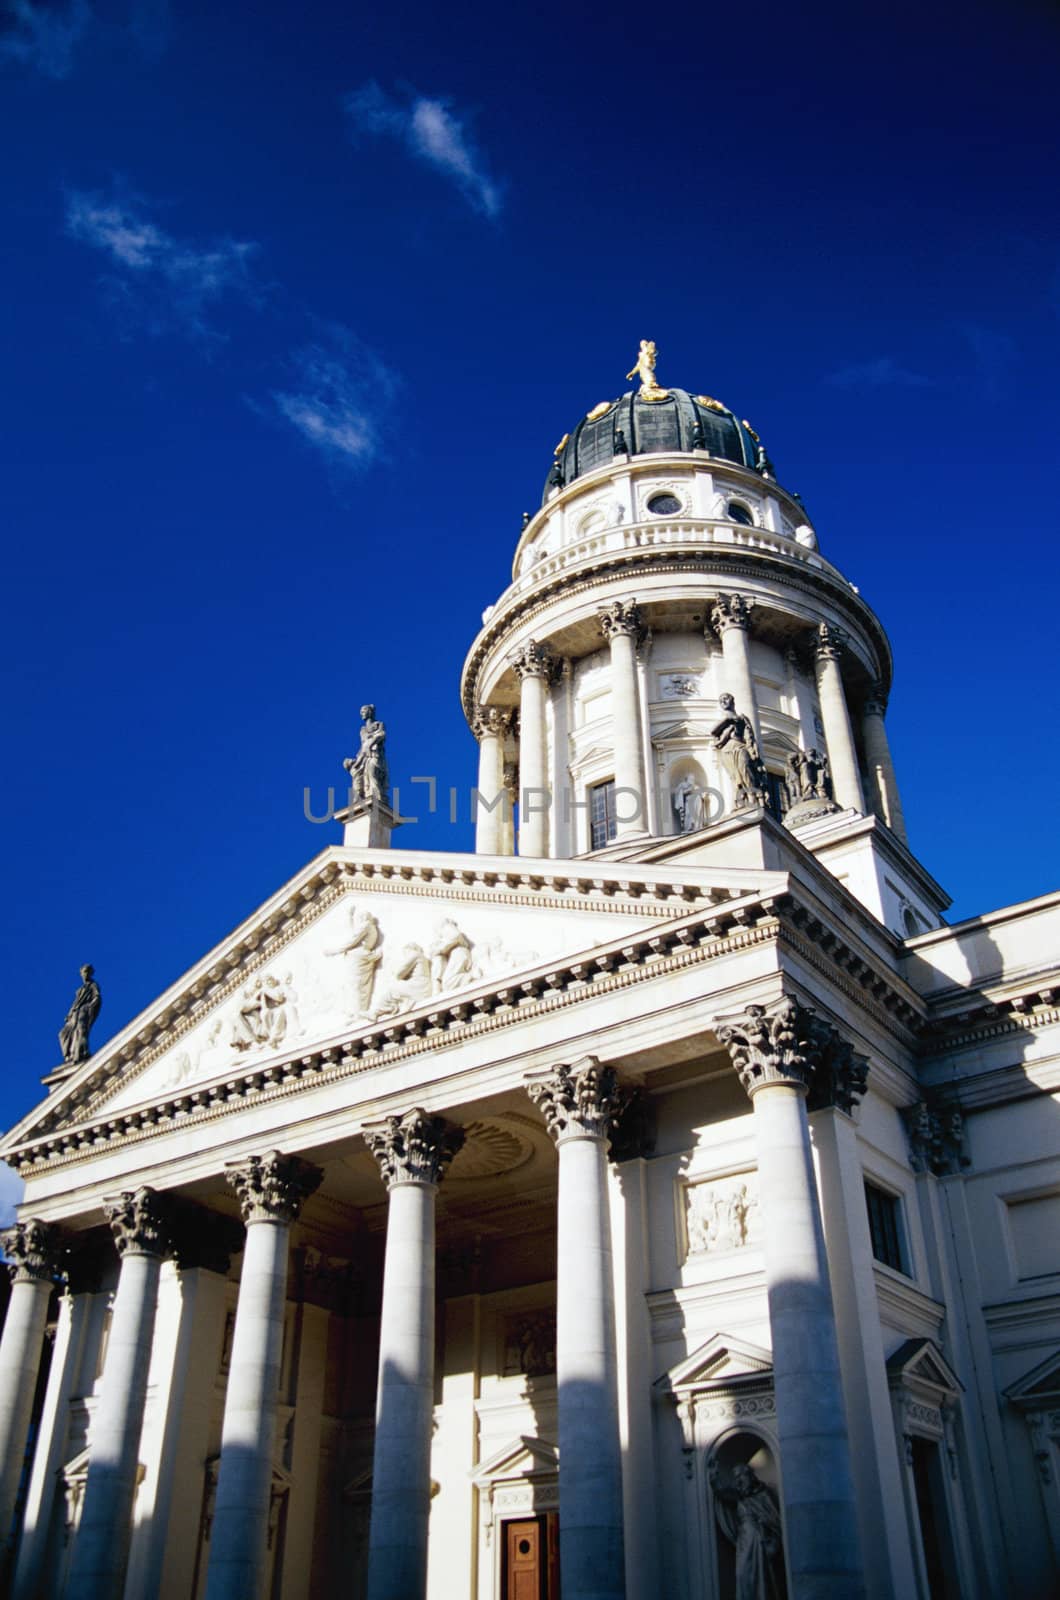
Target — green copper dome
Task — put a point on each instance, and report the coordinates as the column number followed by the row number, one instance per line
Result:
column 672, row 420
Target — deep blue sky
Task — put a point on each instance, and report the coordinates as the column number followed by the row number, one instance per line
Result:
column 296, row 302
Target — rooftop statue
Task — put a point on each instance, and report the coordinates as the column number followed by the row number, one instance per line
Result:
column 369, row 779
column 645, row 370
column 73, row 1035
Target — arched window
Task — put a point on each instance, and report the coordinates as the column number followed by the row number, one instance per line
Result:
column 738, row 512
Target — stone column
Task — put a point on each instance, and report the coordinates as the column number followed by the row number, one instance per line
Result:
column 621, row 624
column 534, row 665
column 839, row 736
column 413, row 1152
column 272, row 1190
column 32, row 1252
column 731, row 616
column 579, row 1103
column 780, row 1053
column 883, row 784
column 490, row 726
column 138, row 1222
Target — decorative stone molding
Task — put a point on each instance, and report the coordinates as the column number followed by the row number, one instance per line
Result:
column 731, row 611
column 621, row 617
column 415, row 1148
column 829, row 642
column 34, row 1251
column 533, row 660
column 936, row 1138
column 272, row 1187
column 139, row 1222
column 491, row 720
column 530, row 1343
column 787, row 1043
column 579, row 1101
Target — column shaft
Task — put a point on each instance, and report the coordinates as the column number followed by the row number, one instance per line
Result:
column 534, row 794
column 490, row 725
column 98, row 1568
column 630, row 800
column 397, row 1548
column 736, row 655
column 882, row 781
column 820, row 1512
column 839, row 736
column 20, row 1355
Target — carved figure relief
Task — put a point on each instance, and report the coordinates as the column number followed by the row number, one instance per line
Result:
column 721, row 1216
column 266, row 1015
column 409, row 984
column 680, row 686
column 363, row 954
column 530, row 1343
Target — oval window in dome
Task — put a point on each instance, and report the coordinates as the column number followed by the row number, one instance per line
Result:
column 739, row 513
column 664, row 505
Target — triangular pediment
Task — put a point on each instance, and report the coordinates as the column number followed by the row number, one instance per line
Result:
column 1039, row 1389
column 362, row 940
column 722, row 1360
column 524, row 1457
column 920, row 1363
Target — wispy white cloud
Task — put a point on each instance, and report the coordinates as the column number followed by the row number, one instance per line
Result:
column 160, row 282
column 44, row 37
column 883, row 372
column 434, row 133
column 337, row 396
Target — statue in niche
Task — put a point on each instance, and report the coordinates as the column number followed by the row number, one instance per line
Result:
column 267, row 1012
column 73, row 1035
column 410, row 984
column 369, row 779
column 689, row 806
column 734, row 739
column 749, row 1517
column 450, row 953
column 807, row 776
column 363, row 955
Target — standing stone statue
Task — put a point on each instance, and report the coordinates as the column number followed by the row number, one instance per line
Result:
column 749, row 1517
column 73, row 1035
column 369, row 779
column 734, row 739
column 688, row 805
column 363, row 956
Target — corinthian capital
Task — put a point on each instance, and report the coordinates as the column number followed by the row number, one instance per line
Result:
column 495, row 720
column 415, row 1148
column 138, row 1220
column 731, row 611
column 876, row 701
column 785, row 1043
column 621, row 617
column 272, row 1187
column 936, row 1138
column 829, row 642
column 33, row 1250
column 533, row 660
column 578, row 1102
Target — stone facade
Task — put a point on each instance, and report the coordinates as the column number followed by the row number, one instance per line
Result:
column 619, row 1199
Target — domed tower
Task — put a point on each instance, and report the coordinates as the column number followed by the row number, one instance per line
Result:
column 675, row 662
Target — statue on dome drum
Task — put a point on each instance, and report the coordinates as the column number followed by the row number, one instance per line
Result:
column 73, row 1035
column 808, row 780
column 645, row 371
column 749, row 1517
column 734, row 740
column 369, row 779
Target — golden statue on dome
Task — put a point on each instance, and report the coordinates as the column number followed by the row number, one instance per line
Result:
column 645, row 370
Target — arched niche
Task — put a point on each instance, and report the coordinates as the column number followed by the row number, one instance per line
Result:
column 743, row 1487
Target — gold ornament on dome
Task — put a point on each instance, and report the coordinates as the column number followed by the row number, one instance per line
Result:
column 599, row 411
column 645, row 371
column 709, row 402
column 751, row 431
column 562, row 444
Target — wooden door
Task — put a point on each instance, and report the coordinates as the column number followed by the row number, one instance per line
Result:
column 524, row 1563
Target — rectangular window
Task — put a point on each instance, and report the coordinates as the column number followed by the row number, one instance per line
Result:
column 885, row 1227
column 602, row 825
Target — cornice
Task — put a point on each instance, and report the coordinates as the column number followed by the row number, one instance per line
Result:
column 1012, row 1009
column 735, row 563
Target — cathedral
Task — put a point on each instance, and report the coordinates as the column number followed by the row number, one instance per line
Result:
column 662, row 1200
